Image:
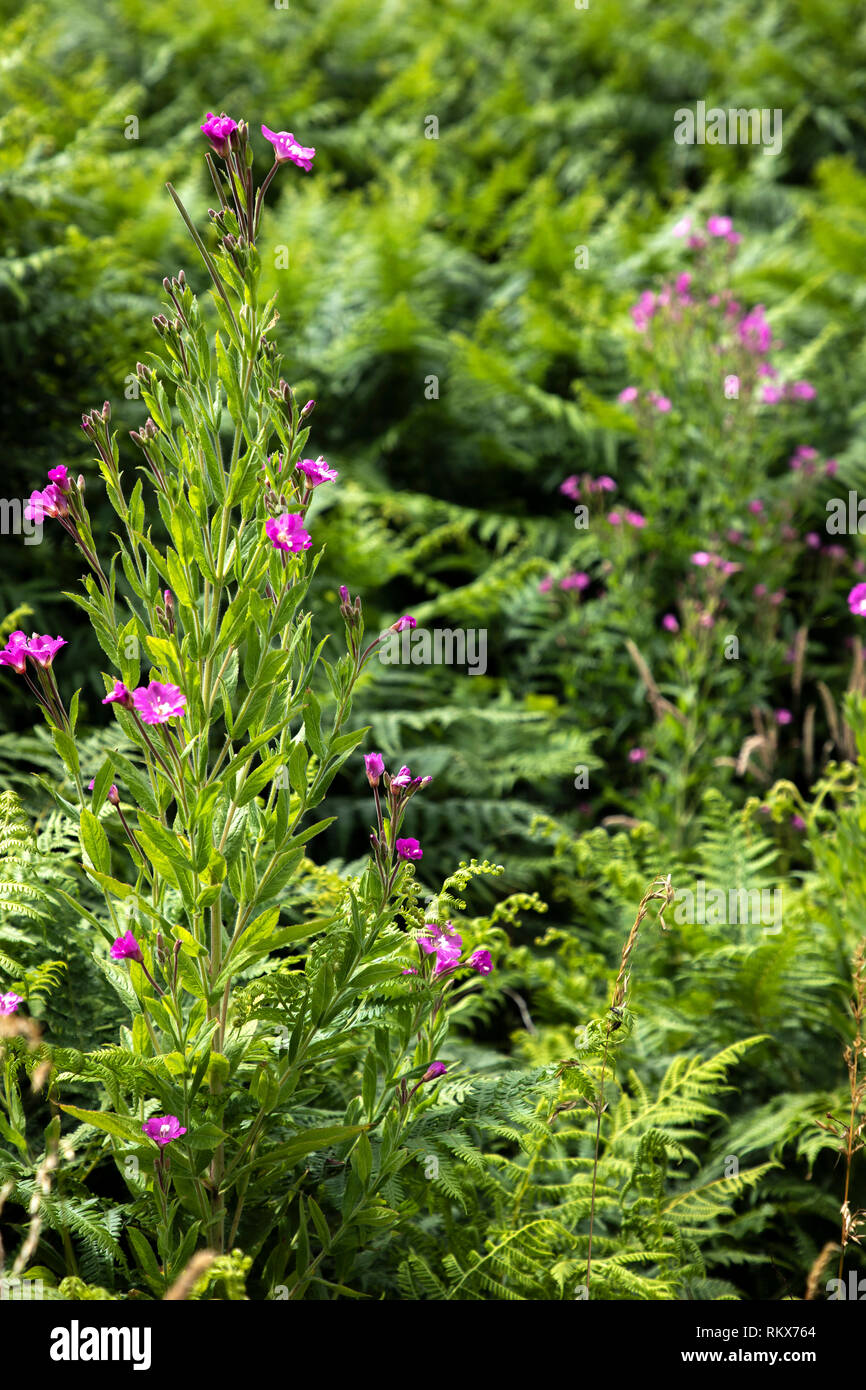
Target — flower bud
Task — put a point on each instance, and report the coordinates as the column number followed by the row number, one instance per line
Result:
column 435, row 1069
column 308, row 409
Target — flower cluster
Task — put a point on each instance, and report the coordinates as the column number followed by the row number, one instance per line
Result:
column 389, row 850
column 446, row 945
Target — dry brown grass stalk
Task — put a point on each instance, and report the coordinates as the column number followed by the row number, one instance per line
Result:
column 659, row 890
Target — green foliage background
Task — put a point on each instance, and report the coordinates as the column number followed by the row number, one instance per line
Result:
column 454, row 257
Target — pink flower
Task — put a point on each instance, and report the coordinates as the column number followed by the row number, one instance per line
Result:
column 409, row 849
column 702, row 558
column 218, row 130
column 627, row 395
column 777, row 598
column 783, row 716
column 754, row 332
column 831, row 468
column 660, row 402
column 446, row 944
column 318, row 471
column 49, row 502
column 403, row 778
column 374, row 766
column 729, row 567
column 287, row 148
column 635, row 519
column 435, row 1069
column 286, row 532
column 569, row 487
column 682, row 228
column 706, row 620
column 481, row 961
column 764, row 369
column 120, row 695
column 614, row 519
column 574, row 581
column 857, row 600
column 406, row 621
column 734, row 238
column 682, row 282
column 126, row 948
column 60, row 477
column 771, row 395
column 9, row 1002
column 756, row 507
column 636, row 755
column 44, row 649
column 760, row 591
column 163, row 1128
column 719, row 226
column 670, row 623
column 798, row 823
column 802, row 391
column 605, row 484
column 156, row 703
column 544, row 587
column 813, row 540
column 14, row 654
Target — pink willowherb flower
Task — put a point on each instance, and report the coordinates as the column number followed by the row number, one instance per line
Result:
column 605, row 484
column 627, row 395
column 831, row 468
column 403, row 778
column 163, row 1128
column 406, row 621
column 44, row 649
column 719, row 226
column 14, row 654
column 754, row 332
column 374, row 766
column 481, row 961
column 219, row 130
column 60, row 477
column 635, row 519
column 435, row 1069
column 570, row 487
column 119, row 695
column 661, row 403
column 574, row 581
column 682, row 228
column 857, row 600
column 9, row 1002
column 317, row 471
column 287, row 148
column 546, row 584
column 783, row 716
column 813, row 540
column 126, row 948
column 702, row 558
column 756, row 507
column 156, row 703
column 446, row 944
column 286, row 532
column 637, row 755
column 670, row 623
column 802, row 391
column 409, row 849
column 49, row 502
column 614, row 519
